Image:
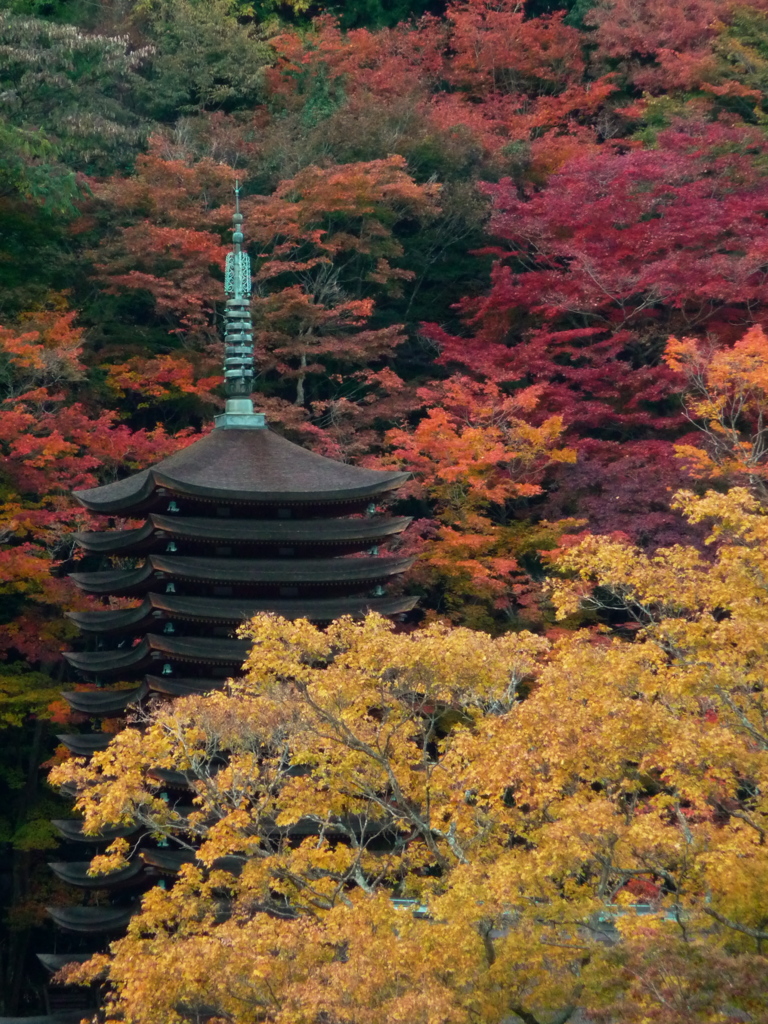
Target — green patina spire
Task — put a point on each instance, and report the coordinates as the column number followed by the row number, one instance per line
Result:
column 238, row 333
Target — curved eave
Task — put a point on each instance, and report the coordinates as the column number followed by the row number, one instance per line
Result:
column 113, row 620
column 231, row 611
column 199, row 650
column 281, row 531
column 235, row 610
column 90, row 920
column 76, row 873
column 54, row 962
column 178, row 687
column 103, row 702
column 169, row 779
column 83, row 745
column 72, row 830
column 240, row 572
column 112, row 541
column 118, row 582
column 109, row 662
column 303, row 533
column 237, row 571
column 160, row 487
column 131, row 493
column 168, row 862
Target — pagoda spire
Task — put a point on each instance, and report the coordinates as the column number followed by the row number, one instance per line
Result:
column 238, row 334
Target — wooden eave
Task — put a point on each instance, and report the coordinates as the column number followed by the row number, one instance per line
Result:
column 240, row 572
column 91, row 920
column 173, row 686
column 54, row 962
column 198, row 650
column 231, row 611
column 76, row 873
column 306, row 534
column 103, row 702
column 168, row 862
column 72, row 830
column 85, row 744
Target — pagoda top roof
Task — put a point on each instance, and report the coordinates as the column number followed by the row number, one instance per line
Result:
column 256, row 467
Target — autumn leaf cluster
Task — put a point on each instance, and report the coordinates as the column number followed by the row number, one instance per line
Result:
column 459, row 827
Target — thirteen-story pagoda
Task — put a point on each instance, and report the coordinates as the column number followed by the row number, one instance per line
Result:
column 240, row 522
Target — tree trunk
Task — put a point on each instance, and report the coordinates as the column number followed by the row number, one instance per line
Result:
column 300, row 381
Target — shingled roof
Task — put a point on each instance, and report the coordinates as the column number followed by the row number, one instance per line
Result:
column 298, row 533
column 91, row 919
column 240, row 572
column 157, row 608
column 199, row 650
column 247, row 467
column 76, row 873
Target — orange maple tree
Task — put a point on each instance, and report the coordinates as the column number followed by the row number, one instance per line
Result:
column 727, row 399
column 477, row 459
column 51, row 444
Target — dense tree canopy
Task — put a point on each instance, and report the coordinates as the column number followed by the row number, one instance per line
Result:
column 470, row 854
column 520, row 250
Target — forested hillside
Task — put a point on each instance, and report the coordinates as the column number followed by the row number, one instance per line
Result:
column 518, row 249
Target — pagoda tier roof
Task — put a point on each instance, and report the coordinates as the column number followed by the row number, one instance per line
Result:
column 85, row 744
column 168, row 862
column 88, row 920
column 246, row 467
column 104, row 702
column 197, row 650
column 172, row 686
column 231, row 610
column 72, row 830
column 54, row 962
column 63, row 1017
column 306, row 533
column 76, row 873
column 170, row 779
column 241, row 572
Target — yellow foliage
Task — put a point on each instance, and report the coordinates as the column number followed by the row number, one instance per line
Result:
column 445, row 827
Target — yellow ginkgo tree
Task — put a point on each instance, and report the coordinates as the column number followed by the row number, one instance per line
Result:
column 447, row 828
